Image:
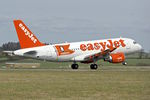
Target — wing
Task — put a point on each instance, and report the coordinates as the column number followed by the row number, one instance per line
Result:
column 94, row 56
column 99, row 54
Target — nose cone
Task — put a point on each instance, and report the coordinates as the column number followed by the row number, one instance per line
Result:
column 139, row 47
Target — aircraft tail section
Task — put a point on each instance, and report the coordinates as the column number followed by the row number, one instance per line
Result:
column 26, row 38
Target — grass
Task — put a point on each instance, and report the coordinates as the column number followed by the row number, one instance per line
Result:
column 109, row 83
column 56, row 81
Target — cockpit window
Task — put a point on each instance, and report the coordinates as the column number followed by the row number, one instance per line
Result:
column 134, row 42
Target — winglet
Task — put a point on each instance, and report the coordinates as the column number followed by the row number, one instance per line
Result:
column 26, row 38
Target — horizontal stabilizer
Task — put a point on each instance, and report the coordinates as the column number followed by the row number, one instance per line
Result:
column 8, row 53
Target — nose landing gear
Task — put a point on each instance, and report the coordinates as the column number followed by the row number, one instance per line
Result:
column 124, row 63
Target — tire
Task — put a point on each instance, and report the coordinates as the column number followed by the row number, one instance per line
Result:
column 93, row 66
column 124, row 63
column 74, row 66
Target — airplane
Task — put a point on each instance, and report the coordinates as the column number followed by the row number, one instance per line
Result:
column 110, row 50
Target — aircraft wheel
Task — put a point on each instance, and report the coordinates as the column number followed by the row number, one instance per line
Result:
column 74, row 66
column 93, row 66
column 124, row 63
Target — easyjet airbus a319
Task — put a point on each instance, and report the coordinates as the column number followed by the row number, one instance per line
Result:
column 110, row 50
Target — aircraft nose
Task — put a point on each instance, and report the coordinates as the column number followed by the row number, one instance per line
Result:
column 139, row 47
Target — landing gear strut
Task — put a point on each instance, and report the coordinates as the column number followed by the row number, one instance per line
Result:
column 93, row 66
column 74, row 66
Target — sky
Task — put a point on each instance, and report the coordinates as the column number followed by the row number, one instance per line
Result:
column 56, row 21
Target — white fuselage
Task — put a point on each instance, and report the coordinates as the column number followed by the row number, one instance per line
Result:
column 76, row 51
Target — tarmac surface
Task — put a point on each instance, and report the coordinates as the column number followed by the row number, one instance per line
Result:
column 103, row 68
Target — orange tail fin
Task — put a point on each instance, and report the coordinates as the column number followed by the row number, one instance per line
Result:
column 26, row 38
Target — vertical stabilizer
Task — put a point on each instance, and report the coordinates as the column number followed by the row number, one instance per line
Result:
column 26, row 38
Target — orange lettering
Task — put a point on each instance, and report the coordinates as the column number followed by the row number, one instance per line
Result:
column 116, row 43
column 90, row 46
column 96, row 46
column 103, row 44
column 83, row 47
column 111, row 44
column 122, row 43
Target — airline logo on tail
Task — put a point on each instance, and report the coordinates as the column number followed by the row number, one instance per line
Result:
column 26, row 38
column 27, row 33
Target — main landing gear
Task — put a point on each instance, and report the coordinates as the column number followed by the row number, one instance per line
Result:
column 92, row 66
column 74, row 66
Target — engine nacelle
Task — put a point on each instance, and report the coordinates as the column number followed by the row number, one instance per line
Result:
column 116, row 58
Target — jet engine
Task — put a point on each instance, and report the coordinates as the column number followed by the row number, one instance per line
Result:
column 115, row 58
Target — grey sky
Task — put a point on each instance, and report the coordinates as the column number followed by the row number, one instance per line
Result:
column 75, row 20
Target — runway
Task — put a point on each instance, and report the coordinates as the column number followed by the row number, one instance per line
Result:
column 83, row 69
